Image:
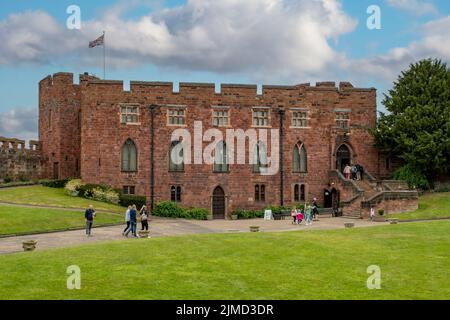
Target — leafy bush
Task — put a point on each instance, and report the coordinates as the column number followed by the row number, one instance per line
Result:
column 381, row 212
column 442, row 188
column 248, row 214
column 126, row 200
column 108, row 196
column 72, row 187
column 23, row 178
column 197, row 214
column 169, row 209
column 58, row 184
column 413, row 177
column 87, row 190
column 7, row 180
column 172, row 210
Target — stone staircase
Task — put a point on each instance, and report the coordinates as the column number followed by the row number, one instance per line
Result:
column 358, row 196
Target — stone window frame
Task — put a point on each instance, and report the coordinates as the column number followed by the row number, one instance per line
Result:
column 299, row 195
column 221, row 167
column 298, row 148
column 172, row 166
column 259, row 109
column 136, row 114
column 226, row 109
column 175, row 193
column 295, row 120
column 129, row 190
column 258, row 166
column 129, row 142
column 171, row 108
column 260, row 193
column 342, row 118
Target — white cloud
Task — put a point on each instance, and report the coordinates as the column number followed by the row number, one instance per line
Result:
column 263, row 36
column 432, row 44
column 21, row 123
column 417, row 7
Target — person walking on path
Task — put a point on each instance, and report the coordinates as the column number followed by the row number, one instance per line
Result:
column 308, row 215
column 294, row 215
column 144, row 218
column 133, row 222
column 315, row 210
column 89, row 216
column 127, row 220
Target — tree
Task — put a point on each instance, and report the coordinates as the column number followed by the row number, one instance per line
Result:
column 417, row 127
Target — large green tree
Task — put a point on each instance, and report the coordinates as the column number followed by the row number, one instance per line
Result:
column 417, row 127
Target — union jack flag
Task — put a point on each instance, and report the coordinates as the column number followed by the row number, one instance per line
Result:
column 100, row 41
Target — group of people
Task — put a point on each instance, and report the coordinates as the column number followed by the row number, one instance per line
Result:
column 309, row 213
column 353, row 172
column 130, row 220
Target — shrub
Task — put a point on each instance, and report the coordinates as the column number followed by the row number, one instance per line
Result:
column 197, row 214
column 413, row 177
column 59, row 184
column 108, row 196
column 442, row 188
column 126, row 200
column 7, row 180
column 72, row 187
column 23, row 178
column 169, row 209
column 381, row 212
column 248, row 214
column 87, row 190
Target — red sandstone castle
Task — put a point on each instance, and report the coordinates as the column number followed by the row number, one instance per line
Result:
column 102, row 133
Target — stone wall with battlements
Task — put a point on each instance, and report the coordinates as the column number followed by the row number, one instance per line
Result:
column 17, row 162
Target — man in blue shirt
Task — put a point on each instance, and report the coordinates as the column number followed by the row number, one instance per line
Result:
column 89, row 216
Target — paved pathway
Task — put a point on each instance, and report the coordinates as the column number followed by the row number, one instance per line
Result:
column 169, row 227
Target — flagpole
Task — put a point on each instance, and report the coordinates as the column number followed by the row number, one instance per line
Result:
column 104, row 56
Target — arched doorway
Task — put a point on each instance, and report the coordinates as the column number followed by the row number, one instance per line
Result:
column 343, row 157
column 218, row 203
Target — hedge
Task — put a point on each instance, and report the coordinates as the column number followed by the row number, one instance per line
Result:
column 59, row 184
column 170, row 209
column 126, row 200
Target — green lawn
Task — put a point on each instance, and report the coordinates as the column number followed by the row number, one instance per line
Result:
column 414, row 261
column 39, row 195
column 431, row 205
column 18, row 220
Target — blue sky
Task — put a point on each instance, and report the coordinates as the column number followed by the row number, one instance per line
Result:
column 252, row 41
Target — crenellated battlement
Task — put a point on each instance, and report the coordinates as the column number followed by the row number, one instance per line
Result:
column 17, row 162
column 12, row 145
column 246, row 90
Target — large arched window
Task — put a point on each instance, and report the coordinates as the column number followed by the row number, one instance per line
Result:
column 260, row 157
column 221, row 158
column 300, row 159
column 176, row 157
column 129, row 156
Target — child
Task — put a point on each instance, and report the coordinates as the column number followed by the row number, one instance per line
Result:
column 300, row 217
column 144, row 218
column 294, row 215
